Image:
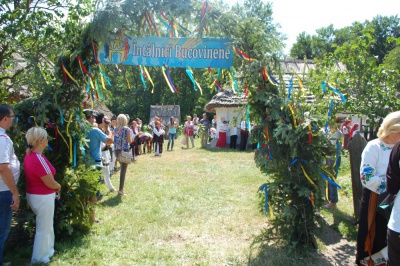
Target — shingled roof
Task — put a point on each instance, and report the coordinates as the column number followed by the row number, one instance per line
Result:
column 225, row 98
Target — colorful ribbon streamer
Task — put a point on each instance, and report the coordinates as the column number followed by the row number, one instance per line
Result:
column 272, row 79
column 215, row 81
column 65, row 71
column 290, row 89
column 293, row 115
column 232, row 75
column 105, row 76
column 167, row 79
column 264, row 188
column 196, row 85
column 148, row 76
column 329, row 115
column 300, row 83
column 241, row 54
column 325, row 84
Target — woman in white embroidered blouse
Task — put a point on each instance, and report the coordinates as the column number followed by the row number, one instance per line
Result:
column 374, row 162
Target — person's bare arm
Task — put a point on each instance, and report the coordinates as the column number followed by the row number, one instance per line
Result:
column 8, row 178
column 49, row 181
column 109, row 141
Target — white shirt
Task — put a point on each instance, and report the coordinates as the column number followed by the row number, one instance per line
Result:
column 394, row 221
column 243, row 125
column 374, row 163
column 7, row 156
column 233, row 130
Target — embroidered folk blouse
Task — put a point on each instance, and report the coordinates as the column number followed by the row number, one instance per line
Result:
column 374, row 163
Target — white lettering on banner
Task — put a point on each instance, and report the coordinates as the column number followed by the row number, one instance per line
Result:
column 150, row 50
column 201, row 53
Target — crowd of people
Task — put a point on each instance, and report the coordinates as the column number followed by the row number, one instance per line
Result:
column 378, row 237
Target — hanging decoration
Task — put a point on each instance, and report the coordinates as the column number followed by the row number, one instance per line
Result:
column 215, row 81
column 326, row 84
column 189, row 72
column 168, row 79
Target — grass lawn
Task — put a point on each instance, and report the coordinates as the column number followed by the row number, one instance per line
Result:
column 188, row 207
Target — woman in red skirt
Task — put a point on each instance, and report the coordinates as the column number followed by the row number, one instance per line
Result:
column 222, row 127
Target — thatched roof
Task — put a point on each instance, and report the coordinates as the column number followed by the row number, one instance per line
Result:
column 224, row 98
column 102, row 108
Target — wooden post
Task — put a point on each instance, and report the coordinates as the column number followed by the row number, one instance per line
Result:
column 356, row 146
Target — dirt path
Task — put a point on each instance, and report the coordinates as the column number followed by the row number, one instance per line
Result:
column 339, row 250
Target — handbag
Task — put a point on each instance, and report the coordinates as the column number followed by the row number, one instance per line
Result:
column 124, row 156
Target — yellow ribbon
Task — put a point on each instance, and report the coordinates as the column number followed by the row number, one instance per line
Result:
column 327, row 191
column 233, row 84
column 309, row 178
column 293, row 115
column 329, row 174
column 59, row 132
column 34, row 120
column 166, row 79
column 151, row 81
column 70, row 138
column 300, row 83
column 69, row 75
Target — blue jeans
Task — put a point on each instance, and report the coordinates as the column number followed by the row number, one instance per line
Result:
column 171, row 139
column 5, row 219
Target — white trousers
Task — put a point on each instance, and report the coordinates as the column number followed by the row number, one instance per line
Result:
column 43, row 207
column 106, row 175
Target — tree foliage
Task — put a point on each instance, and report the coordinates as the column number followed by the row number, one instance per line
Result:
column 368, row 85
column 32, row 34
column 328, row 38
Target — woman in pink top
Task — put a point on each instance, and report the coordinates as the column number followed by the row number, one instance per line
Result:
column 41, row 191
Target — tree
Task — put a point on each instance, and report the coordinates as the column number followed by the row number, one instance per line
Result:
column 303, row 47
column 367, row 84
column 32, row 34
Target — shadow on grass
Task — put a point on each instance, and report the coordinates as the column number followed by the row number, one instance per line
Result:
column 268, row 252
column 227, row 149
column 111, row 201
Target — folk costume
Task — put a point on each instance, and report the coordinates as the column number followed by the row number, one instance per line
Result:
column 371, row 236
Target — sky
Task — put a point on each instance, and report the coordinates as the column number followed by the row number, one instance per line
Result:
column 296, row 16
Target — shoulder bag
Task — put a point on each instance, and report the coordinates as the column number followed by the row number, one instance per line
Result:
column 124, row 156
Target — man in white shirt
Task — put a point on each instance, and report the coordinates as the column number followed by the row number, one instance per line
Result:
column 9, row 175
column 244, row 135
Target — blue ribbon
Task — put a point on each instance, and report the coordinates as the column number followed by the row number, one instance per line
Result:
column 298, row 160
column 329, row 180
column 248, row 116
column 290, row 89
column 88, row 84
column 61, row 118
column 265, row 189
column 324, row 84
column 329, row 116
column 190, row 75
column 74, row 151
column 273, row 79
column 142, row 78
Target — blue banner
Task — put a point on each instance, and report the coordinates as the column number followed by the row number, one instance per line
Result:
column 172, row 52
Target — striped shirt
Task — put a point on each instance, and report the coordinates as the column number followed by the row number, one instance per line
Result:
column 37, row 166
